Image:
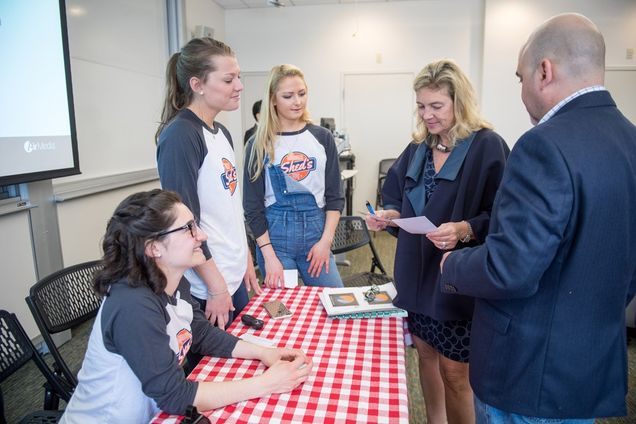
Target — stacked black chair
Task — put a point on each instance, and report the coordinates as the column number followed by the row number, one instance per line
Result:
column 16, row 350
column 63, row 301
column 352, row 233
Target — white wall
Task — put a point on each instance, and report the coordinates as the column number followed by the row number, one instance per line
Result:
column 204, row 12
column 83, row 222
column 389, row 37
column 484, row 37
column 18, row 269
column 508, row 23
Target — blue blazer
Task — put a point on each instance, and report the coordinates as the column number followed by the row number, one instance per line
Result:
column 553, row 277
column 467, row 184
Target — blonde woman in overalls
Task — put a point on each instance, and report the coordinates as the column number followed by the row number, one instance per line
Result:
column 292, row 196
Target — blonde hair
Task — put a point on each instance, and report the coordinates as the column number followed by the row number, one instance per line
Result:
column 269, row 125
column 447, row 74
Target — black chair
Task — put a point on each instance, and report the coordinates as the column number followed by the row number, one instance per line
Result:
column 62, row 301
column 16, row 350
column 383, row 169
column 352, row 233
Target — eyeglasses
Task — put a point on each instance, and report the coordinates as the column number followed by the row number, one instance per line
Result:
column 191, row 225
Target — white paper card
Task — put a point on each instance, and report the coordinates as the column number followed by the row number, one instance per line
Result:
column 261, row 341
column 291, row 278
column 415, row 225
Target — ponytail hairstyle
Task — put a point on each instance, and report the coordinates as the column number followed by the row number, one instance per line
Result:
column 196, row 59
column 268, row 124
column 447, row 74
column 136, row 221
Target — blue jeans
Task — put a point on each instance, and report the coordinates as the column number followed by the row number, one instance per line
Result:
column 486, row 414
column 295, row 223
column 292, row 235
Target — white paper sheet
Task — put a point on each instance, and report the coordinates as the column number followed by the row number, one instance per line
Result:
column 415, row 225
column 291, row 278
column 261, row 341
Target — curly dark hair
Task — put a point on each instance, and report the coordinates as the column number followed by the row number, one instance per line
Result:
column 137, row 220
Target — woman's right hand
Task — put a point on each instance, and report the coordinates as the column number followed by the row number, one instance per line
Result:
column 284, row 375
column 274, row 274
column 381, row 219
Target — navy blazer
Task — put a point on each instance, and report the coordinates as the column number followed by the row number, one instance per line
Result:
column 554, row 274
column 467, row 184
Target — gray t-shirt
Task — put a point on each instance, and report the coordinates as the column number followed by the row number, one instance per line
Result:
column 132, row 368
column 198, row 163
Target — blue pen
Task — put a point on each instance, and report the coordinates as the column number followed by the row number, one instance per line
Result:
column 370, row 208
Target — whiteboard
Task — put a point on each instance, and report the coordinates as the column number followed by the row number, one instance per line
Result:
column 621, row 83
column 119, row 50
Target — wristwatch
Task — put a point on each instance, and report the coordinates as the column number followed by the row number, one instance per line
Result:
column 469, row 233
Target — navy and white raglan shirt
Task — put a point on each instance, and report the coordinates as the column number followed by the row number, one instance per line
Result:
column 132, row 368
column 309, row 157
column 198, row 163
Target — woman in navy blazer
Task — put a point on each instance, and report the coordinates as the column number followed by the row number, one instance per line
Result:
column 450, row 174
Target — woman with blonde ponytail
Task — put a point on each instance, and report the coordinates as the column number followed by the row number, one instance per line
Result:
column 292, row 197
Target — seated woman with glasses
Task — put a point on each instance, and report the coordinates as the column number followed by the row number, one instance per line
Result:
column 148, row 322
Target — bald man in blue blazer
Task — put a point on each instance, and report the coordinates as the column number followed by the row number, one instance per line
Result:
column 558, row 267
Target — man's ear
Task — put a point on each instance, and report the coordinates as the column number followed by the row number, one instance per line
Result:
column 546, row 72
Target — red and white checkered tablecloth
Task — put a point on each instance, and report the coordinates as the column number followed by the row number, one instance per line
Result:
column 358, row 375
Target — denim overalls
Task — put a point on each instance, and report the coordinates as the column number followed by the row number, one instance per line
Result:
column 295, row 224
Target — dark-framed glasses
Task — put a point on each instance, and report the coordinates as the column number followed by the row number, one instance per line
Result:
column 191, row 225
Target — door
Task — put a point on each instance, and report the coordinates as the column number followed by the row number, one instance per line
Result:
column 378, row 117
column 253, row 89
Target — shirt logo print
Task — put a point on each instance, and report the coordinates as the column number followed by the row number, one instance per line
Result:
column 297, row 165
column 184, row 340
column 228, row 177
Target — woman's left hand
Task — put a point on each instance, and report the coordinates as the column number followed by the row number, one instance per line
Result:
column 445, row 237
column 271, row 355
column 250, row 279
column 318, row 256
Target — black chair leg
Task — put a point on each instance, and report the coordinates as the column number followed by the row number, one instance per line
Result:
column 51, row 399
column 3, row 420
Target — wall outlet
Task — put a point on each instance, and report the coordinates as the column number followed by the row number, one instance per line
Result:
column 629, row 54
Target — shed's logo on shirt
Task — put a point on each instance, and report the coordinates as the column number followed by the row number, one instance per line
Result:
column 184, row 339
column 297, row 165
column 228, row 177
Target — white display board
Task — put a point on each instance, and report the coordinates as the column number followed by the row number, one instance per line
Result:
column 119, row 51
